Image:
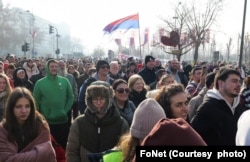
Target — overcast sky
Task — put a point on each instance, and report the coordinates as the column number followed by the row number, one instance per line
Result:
column 88, row 18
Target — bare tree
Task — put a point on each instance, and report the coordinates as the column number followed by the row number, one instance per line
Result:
column 192, row 25
column 199, row 21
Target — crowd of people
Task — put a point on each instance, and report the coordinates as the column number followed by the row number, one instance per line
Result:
column 83, row 111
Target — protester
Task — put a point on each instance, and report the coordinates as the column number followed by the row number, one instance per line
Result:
column 24, row 133
column 138, row 89
column 20, row 79
column 243, row 131
column 165, row 80
column 217, row 116
column 99, row 128
column 174, row 101
column 5, row 90
column 54, row 98
column 121, row 101
column 30, row 68
column 102, row 71
column 196, row 83
column 245, row 93
column 174, row 70
column 148, row 72
column 173, row 132
column 196, row 101
column 147, row 114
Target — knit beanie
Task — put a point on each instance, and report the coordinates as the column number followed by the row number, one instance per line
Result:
column 148, row 58
column 99, row 89
column 173, row 132
column 146, row 115
column 100, row 63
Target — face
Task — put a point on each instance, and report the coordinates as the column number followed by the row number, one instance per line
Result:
column 10, row 71
column 104, row 70
column 21, row 74
column 42, row 66
column 231, row 86
column 157, row 63
column 150, row 64
column 22, row 110
column 61, row 65
column 98, row 102
column 138, row 86
column 122, row 92
column 114, row 68
column 30, row 63
column 53, row 68
column 71, row 69
column 197, row 75
column 168, row 81
column 11, row 59
column 174, row 65
column 3, row 84
column 179, row 105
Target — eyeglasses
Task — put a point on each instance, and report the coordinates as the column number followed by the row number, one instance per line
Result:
column 103, row 67
column 121, row 90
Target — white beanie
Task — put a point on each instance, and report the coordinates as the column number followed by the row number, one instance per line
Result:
column 146, row 115
column 243, row 132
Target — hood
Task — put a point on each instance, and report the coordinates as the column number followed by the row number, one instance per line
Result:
column 48, row 74
column 15, row 74
column 214, row 93
column 99, row 89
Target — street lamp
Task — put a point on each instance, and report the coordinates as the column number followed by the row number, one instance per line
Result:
column 32, row 31
column 176, row 17
column 242, row 33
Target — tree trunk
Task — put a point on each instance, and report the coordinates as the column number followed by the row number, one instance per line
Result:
column 178, row 57
column 196, row 49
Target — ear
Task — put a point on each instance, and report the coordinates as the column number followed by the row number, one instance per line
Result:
column 220, row 83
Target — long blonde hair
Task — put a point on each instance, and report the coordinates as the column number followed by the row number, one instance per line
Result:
column 8, row 86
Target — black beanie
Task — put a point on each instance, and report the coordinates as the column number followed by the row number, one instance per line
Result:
column 100, row 63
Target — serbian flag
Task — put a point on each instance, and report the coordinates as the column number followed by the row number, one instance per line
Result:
column 129, row 22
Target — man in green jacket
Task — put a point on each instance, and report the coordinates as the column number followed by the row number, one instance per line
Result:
column 54, row 98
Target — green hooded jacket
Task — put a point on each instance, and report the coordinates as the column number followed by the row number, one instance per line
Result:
column 54, row 97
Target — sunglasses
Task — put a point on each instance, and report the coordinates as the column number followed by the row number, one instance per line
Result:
column 103, row 67
column 121, row 90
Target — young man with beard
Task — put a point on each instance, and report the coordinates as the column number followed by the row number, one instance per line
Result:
column 216, row 118
column 174, row 69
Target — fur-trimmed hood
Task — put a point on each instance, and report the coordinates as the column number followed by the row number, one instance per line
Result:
column 99, row 89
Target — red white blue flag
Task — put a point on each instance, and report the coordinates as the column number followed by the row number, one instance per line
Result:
column 129, row 22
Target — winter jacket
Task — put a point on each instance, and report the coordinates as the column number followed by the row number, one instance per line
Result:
column 54, row 97
column 195, row 102
column 127, row 112
column 39, row 150
column 216, row 120
column 88, row 134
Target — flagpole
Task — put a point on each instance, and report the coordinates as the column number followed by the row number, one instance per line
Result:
column 139, row 36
